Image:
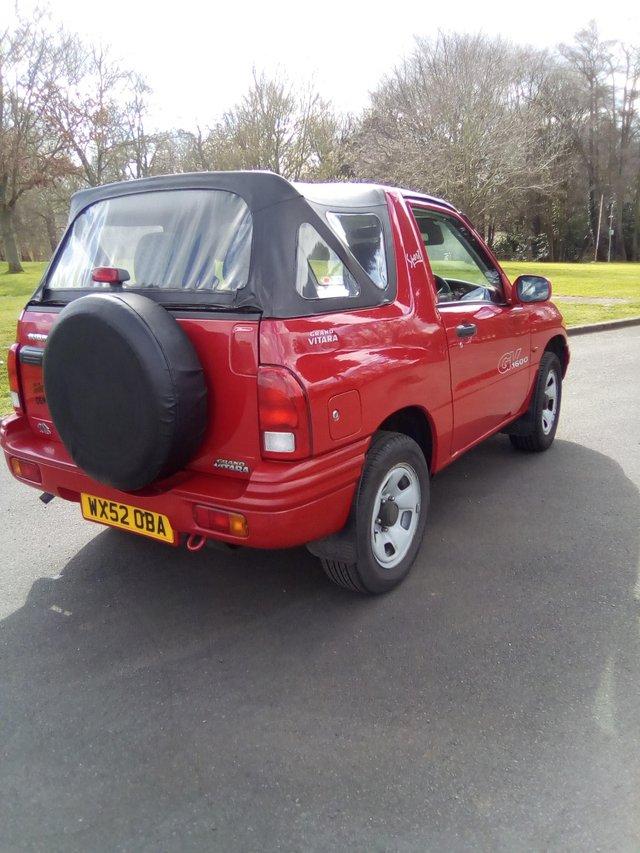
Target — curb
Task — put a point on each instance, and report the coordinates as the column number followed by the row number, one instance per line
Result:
column 604, row 326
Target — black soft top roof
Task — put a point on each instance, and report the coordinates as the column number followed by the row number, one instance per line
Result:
column 258, row 189
column 278, row 209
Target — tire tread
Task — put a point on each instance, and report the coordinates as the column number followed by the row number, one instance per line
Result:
column 534, row 442
column 343, row 574
column 344, row 563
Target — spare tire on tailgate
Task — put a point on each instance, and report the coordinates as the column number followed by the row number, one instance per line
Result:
column 125, row 389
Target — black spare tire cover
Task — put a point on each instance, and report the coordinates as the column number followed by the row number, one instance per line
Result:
column 125, row 389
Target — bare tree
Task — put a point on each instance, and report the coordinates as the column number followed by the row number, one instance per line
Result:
column 32, row 152
column 527, row 141
column 98, row 110
column 460, row 117
column 604, row 82
column 277, row 126
column 625, row 80
column 590, row 60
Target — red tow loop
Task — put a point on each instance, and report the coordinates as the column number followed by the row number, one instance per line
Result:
column 196, row 542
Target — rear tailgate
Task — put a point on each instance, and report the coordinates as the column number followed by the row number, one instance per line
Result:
column 227, row 347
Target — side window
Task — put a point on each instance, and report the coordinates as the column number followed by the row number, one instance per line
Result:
column 362, row 234
column 321, row 274
column 460, row 269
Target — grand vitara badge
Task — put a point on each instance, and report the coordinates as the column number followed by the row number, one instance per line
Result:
column 236, row 465
column 322, row 336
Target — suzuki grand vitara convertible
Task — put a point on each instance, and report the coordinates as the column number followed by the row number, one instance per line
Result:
column 230, row 356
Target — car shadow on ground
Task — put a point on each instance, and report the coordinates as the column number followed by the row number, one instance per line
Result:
column 240, row 701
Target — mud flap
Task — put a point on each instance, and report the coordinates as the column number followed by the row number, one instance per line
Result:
column 343, row 545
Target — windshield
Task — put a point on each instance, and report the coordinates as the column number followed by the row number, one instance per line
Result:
column 172, row 239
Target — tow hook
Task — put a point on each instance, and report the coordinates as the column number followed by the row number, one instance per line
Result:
column 196, row 542
column 46, row 497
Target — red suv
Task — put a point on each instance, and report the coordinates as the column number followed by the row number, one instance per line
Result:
column 230, row 356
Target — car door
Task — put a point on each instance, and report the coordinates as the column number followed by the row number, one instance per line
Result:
column 488, row 338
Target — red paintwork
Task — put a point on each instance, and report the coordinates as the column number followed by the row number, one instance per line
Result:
column 364, row 364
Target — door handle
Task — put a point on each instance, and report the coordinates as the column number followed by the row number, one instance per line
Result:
column 466, row 330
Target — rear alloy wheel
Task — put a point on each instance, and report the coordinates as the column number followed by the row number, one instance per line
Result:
column 394, row 521
column 388, row 518
column 545, row 407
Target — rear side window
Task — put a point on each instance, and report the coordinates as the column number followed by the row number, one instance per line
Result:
column 362, row 234
column 320, row 272
column 172, row 239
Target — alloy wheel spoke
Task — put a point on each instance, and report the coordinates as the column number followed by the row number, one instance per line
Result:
column 391, row 487
column 550, row 401
column 396, row 537
column 380, row 540
column 408, row 498
column 391, row 541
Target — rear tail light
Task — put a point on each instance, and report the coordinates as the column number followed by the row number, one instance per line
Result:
column 25, row 470
column 14, row 379
column 220, row 521
column 283, row 414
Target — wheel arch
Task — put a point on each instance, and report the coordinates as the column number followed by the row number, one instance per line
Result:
column 558, row 345
column 414, row 422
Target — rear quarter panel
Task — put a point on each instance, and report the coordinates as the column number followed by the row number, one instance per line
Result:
column 367, row 364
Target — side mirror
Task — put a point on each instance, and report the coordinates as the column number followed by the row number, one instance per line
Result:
column 532, row 288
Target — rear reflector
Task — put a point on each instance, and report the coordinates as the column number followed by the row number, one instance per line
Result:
column 220, row 521
column 25, row 470
column 14, row 381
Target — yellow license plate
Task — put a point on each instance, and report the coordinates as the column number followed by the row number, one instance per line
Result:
column 127, row 517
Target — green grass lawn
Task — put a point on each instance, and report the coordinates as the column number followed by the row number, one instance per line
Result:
column 613, row 280
column 601, row 279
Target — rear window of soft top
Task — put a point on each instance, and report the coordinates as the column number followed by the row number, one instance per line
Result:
column 168, row 239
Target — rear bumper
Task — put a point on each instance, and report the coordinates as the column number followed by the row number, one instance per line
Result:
column 285, row 504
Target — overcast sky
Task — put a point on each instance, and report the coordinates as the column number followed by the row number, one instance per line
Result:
column 197, row 56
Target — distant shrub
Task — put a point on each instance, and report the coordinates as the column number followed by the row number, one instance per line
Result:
column 521, row 247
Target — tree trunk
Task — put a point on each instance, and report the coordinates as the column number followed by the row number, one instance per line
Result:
column 593, row 220
column 491, row 232
column 52, row 230
column 9, row 239
column 620, row 250
column 635, row 244
column 552, row 237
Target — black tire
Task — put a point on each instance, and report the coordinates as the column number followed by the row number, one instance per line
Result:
column 356, row 567
column 538, row 437
column 125, row 389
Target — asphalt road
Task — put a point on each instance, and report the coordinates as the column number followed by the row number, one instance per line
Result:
column 154, row 700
